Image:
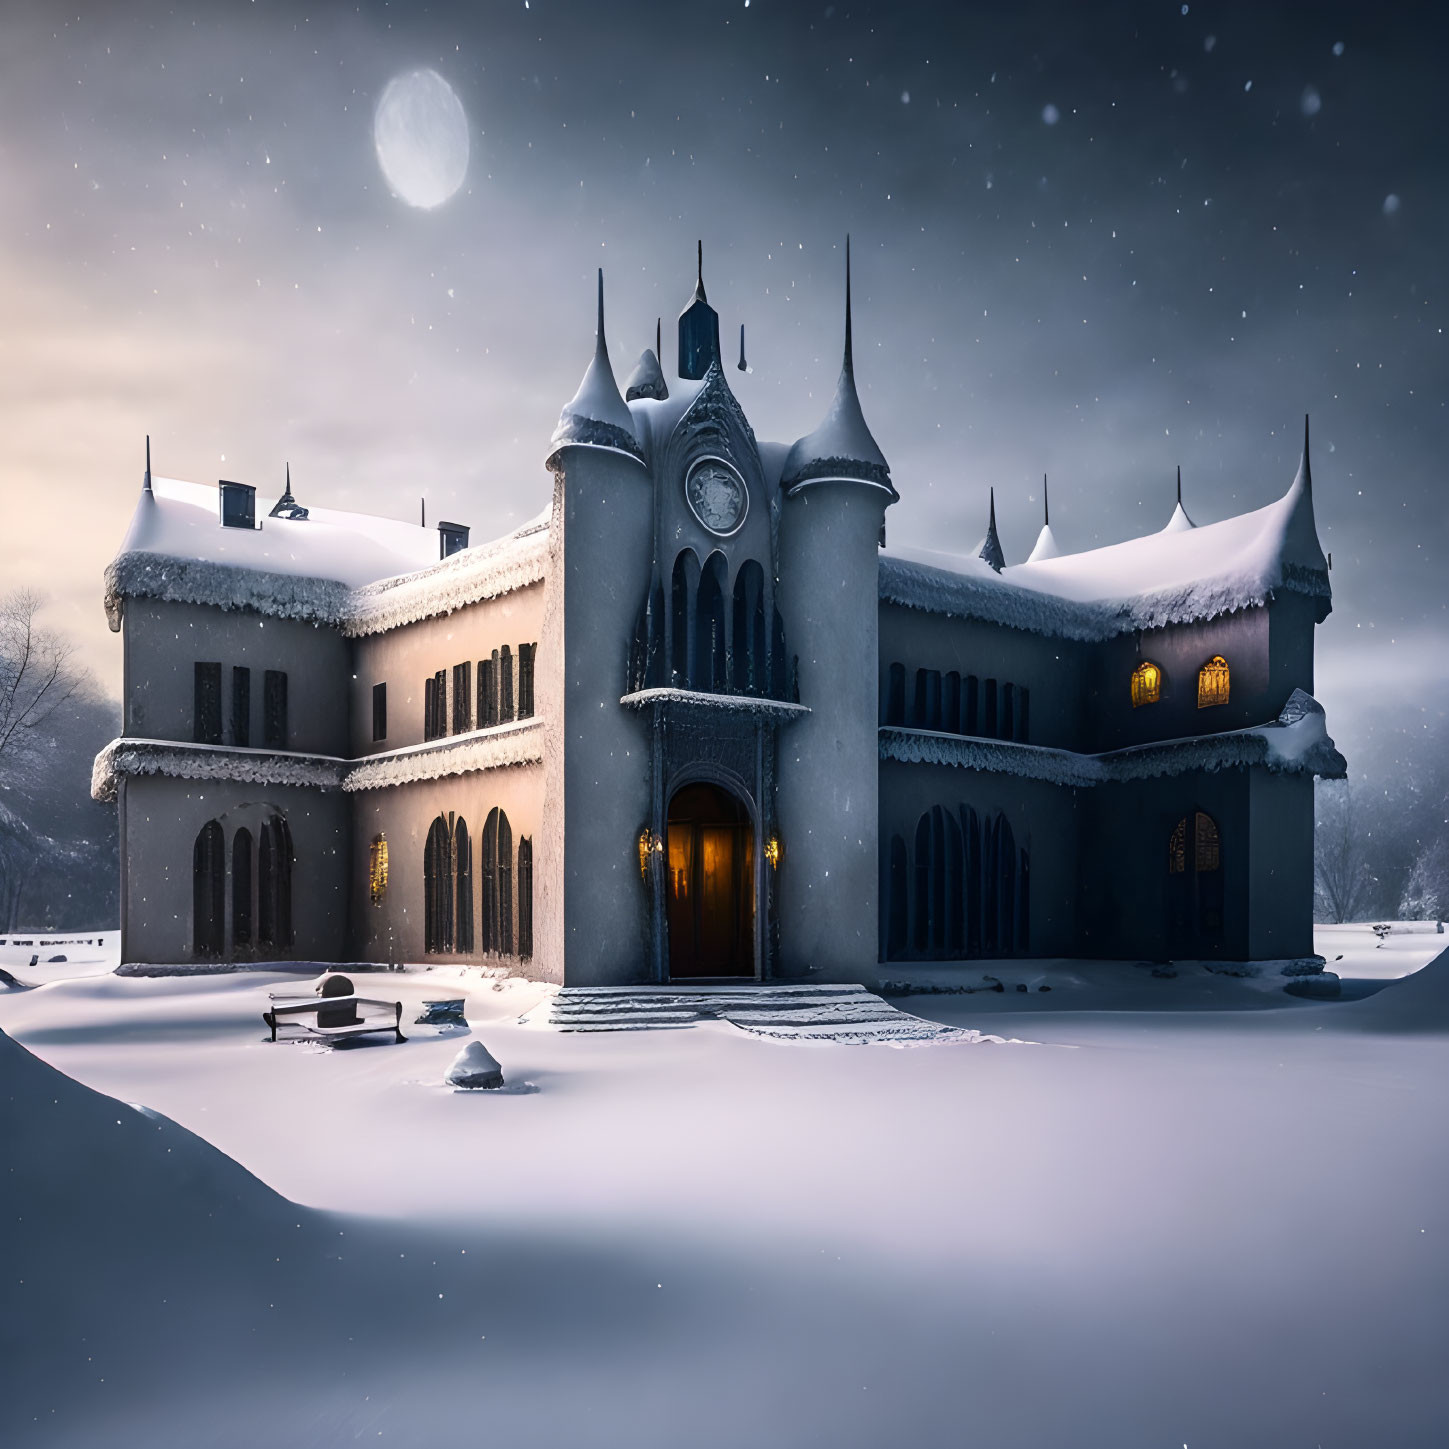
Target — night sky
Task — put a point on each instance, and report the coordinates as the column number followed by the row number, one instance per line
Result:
column 1092, row 241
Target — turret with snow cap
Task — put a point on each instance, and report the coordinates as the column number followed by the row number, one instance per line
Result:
column 598, row 417
column 647, row 379
column 836, row 487
column 842, row 449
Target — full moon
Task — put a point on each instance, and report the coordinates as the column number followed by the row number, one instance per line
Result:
column 421, row 135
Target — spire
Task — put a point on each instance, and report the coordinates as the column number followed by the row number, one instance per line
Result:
column 597, row 416
column 841, row 449
column 989, row 549
column 1306, row 470
column 699, row 331
column 743, row 366
column 1179, row 520
column 1046, row 541
column 659, row 339
column 146, row 481
column 287, row 506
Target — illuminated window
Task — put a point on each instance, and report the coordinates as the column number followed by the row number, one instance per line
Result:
column 377, row 869
column 1212, row 682
column 1146, row 684
column 1177, row 849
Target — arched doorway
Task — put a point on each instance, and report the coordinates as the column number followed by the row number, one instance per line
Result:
column 711, row 886
column 1195, row 886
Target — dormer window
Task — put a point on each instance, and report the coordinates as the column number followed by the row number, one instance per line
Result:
column 452, row 538
column 1146, row 684
column 238, row 505
column 1212, row 682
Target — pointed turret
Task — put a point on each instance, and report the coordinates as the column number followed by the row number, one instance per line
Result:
column 598, row 417
column 1179, row 520
column 287, row 506
column 698, row 331
column 989, row 549
column 744, row 367
column 146, row 481
column 1046, row 541
column 1301, row 548
column 841, row 449
column 647, row 379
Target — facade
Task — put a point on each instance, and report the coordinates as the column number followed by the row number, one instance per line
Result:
column 696, row 721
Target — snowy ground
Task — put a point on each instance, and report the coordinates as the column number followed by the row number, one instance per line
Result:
column 1152, row 1227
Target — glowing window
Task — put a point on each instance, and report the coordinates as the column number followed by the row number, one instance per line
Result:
column 1177, row 849
column 1146, row 684
column 1212, row 682
column 377, row 869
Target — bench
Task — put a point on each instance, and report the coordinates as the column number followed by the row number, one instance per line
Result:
column 338, row 1018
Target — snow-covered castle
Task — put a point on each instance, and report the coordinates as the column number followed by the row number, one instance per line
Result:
column 696, row 720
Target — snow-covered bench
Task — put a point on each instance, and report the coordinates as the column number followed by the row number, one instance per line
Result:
column 336, row 1017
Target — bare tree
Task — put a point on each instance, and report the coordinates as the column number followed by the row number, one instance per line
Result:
column 37, row 676
column 1341, row 878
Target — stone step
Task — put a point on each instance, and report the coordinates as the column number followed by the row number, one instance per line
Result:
column 841, row 1013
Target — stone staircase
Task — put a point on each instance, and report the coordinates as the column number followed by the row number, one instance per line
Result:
column 785, row 1012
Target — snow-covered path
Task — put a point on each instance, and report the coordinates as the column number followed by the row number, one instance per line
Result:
column 1150, row 1228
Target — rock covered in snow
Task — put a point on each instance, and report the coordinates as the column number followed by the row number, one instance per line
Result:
column 475, row 1066
column 647, row 379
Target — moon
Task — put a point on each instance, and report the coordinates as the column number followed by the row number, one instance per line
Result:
column 421, row 134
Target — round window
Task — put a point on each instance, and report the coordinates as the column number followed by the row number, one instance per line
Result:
column 716, row 495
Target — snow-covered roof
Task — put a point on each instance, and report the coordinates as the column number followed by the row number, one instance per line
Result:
column 353, row 570
column 1166, row 578
column 1296, row 743
column 1046, row 545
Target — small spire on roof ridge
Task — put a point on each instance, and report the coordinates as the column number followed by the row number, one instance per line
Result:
column 1179, row 485
column 146, row 481
column 1046, row 506
column 599, row 331
column 742, row 365
column 659, row 339
column 1307, row 470
column 849, row 349
column 990, row 548
column 287, row 492
column 699, row 278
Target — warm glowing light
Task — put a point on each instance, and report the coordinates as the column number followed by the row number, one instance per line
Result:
column 1146, row 684
column 1212, row 682
column 773, row 851
column 377, row 869
column 646, row 848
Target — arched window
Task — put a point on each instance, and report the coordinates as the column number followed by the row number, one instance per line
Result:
column 497, row 871
column 683, row 586
column 525, row 897
column 438, row 888
column 463, row 864
column 951, row 703
column 274, row 883
column 1177, row 848
column 241, row 888
column 1212, row 682
column 505, row 685
column 709, row 625
column 921, row 936
column 748, row 643
column 1206, row 852
column 1146, row 684
column 1195, row 891
column 377, row 869
column 208, row 891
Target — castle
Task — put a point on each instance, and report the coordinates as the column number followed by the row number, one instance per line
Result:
column 697, row 720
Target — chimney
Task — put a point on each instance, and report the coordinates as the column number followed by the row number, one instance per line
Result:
column 452, row 538
column 238, row 504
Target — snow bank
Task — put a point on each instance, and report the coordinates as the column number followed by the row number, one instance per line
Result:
column 1413, row 1004
column 1296, row 743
